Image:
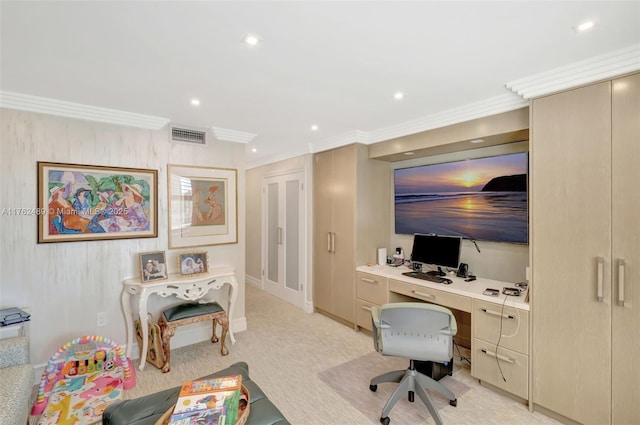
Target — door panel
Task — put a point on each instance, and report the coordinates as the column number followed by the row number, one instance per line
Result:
column 322, row 229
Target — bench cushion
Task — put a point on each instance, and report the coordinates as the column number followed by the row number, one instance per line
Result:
column 185, row 311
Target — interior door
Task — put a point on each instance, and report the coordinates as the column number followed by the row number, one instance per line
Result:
column 284, row 247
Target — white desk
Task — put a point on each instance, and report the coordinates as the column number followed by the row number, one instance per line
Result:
column 498, row 328
column 191, row 288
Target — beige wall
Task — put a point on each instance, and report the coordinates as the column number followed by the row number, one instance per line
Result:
column 66, row 284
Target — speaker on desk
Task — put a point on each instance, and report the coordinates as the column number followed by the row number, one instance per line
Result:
column 463, row 270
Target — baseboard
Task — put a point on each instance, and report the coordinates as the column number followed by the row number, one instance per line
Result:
column 253, row 281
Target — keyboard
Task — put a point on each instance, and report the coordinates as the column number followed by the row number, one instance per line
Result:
column 430, row 278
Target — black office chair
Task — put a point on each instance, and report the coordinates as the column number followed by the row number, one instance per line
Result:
column 417, row 331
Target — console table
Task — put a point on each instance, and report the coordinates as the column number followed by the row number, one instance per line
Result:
column 498, row 328
column 190, row 288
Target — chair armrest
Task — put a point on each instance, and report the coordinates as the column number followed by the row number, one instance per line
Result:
column 376, row 326
column 14, row 351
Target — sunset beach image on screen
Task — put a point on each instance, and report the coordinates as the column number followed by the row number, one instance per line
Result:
column 482, row 199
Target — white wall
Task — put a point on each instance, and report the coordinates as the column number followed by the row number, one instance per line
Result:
column 66, row 284
column 500, row 261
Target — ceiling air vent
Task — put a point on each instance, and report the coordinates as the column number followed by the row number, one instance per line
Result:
column 180, row 134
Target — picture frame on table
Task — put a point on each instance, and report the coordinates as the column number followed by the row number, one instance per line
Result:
column 193, row 263
column 89, row 202
column 203, row 206
column 153, row 266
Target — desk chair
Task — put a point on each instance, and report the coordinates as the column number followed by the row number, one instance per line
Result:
column 417, row 331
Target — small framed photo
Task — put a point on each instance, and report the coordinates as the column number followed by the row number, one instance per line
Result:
column 153, row 266
column 193, row 263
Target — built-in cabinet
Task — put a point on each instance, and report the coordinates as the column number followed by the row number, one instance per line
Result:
column 585, row 252
column 371, row 290
column 351, row 213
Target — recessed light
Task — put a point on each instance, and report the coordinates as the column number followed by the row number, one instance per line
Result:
column 254, row 150
column 476, row 141
column 398, row 95
column 314, row 128
column 251, row 40
column 409, row 153
column 195, row 102
column 584, row 26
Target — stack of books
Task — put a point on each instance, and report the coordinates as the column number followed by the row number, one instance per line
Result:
column 210, row 401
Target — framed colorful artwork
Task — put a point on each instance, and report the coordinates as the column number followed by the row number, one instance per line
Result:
column 194, row 263
column 153, row 266
column 203, row 206
column 86, row 203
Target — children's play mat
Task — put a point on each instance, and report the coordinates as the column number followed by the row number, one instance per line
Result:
column 80, row 380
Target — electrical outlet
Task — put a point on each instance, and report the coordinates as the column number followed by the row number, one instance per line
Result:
column 102, row 319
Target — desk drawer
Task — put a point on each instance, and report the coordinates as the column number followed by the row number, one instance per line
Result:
column 434, row 296
column 363, row 314
column 489, row 318
column 514, row 366
column 371, row 288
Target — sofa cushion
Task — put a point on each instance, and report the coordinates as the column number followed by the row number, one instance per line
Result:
column 148, row 409
column 15, row 396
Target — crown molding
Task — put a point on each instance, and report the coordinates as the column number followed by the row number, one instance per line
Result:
column 492, row 106
column 43, row 105
column 229, row 135
column 354, row 136
column 270, row 159
column 598, row 68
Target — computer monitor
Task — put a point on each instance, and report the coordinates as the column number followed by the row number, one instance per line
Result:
column 436, row 250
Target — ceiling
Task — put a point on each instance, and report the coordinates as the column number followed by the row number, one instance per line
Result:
column 333, row 64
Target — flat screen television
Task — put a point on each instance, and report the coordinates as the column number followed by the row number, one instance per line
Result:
column 480, row 199
column 435, row 250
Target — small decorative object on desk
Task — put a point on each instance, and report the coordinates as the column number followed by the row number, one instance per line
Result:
column 12, row 315
column 194, row 263
column 220, row 400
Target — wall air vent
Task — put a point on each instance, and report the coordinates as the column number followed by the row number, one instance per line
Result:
column 181, row 134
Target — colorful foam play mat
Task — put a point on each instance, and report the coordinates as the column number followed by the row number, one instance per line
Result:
column 80, row 380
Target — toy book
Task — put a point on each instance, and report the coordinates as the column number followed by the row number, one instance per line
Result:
column 209, row 400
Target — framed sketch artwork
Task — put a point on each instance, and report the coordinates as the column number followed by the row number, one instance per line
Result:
column 202, row 206
column 85, row 202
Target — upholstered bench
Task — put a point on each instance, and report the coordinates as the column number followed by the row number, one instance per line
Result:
column 148, row 409
column 185, row 314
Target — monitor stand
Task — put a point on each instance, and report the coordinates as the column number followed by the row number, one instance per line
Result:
column 438, row 272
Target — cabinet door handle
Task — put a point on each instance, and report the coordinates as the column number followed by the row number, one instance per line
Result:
column 499, row 356
column 333, row 242
column 279, row 235
column 621, row 267
column 364, row 307
column 364, row 279
column 495, row 313
column 328, row 241
column 600, row 261
column 422, row 294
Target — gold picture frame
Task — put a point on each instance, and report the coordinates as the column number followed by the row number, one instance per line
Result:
column 153, row 266
column 191, row 263
column 88, row 202
column 203, row 206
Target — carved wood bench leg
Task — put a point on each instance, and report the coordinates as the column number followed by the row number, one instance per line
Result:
column 214, row 337
column 167, row 332
column 224, row 324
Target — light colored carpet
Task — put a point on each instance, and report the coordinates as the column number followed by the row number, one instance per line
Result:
column 287, row 350
column 351, row 381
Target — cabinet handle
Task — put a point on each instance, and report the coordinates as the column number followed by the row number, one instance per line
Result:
column 621, row 267
column 422, row 294
column 333, row 242
column 600, row 261
column 364, row 307
column 328, row 241
column 498, row 356
column 495, row 313
column 364, row 279
column 279, row 235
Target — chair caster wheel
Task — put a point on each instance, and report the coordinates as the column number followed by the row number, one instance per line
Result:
column 385, row 421
column 373, row 388
column 454, row 402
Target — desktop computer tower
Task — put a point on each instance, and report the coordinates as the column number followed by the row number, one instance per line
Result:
column 434, row 370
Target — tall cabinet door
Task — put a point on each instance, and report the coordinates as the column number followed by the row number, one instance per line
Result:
column 322, row 231
column 571, row 252
column 626, row 250
column 344, row 195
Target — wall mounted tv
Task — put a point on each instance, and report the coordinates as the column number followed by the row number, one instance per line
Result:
column 482, row 199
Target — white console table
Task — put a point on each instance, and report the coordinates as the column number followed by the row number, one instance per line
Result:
column 191, row 288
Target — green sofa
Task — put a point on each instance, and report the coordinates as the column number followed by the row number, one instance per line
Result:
column 146, row 410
